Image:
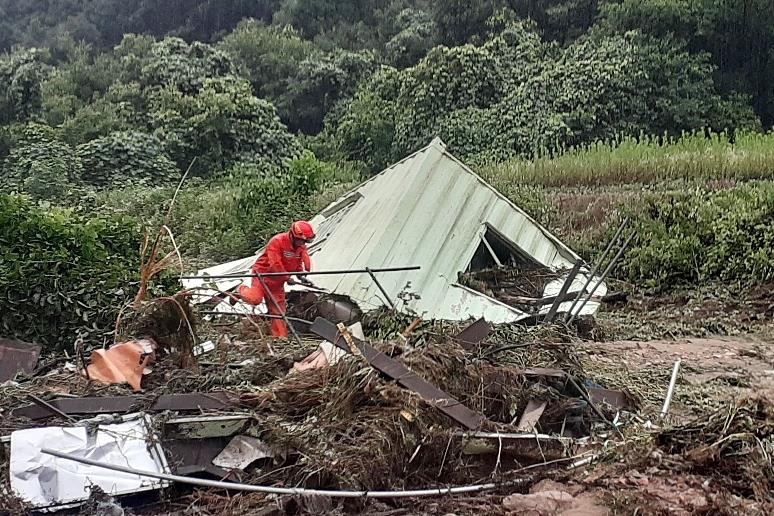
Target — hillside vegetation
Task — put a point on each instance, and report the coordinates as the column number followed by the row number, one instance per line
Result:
column 581, row 111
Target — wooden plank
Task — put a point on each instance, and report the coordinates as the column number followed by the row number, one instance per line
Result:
column 403, row 375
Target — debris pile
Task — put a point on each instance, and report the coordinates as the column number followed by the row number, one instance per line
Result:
column 734, row 445
column 412, row 405
column 519, row 286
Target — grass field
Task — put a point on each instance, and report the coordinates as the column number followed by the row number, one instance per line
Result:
column 647, row 160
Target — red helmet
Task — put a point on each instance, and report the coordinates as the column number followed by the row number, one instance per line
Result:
column 302, row 230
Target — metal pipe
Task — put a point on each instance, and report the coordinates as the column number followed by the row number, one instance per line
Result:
column 287, row 490
column 602, row 277
column 384, row 292
column 671, row 389
column 590, row 277
column 303, row 273
column 549, row 317
column 498, row 435
column 266, row 316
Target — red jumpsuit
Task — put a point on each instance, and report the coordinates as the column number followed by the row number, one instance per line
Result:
column 279, row 256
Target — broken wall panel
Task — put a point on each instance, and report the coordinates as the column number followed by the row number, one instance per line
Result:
column 45, row 481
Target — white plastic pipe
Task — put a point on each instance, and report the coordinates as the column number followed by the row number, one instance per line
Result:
column 671, row 389
column 285, row 490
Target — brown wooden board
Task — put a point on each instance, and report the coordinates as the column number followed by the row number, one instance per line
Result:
column 403, row 375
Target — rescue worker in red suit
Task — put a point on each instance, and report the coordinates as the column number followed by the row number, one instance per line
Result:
column 285, row 252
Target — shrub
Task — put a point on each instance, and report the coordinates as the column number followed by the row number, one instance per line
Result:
column 693, row 237
column 40, row 165
column 61, row 274
column 126, row 157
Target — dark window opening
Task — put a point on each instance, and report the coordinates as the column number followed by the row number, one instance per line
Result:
column 495, row 251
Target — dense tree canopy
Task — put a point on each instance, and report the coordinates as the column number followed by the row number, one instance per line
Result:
column 143, row 85
column 274, row 105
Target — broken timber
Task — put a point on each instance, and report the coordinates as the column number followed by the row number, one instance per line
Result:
column 403, row 375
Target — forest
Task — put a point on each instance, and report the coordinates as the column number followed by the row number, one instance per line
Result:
column 581, row 111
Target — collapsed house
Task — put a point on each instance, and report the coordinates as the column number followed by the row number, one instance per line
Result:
column 432, row 211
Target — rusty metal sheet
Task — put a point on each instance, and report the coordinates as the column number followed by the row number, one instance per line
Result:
column 17, row 356
column 87, row 406
column 111, row 404
column 474, row 334
column 404, row 376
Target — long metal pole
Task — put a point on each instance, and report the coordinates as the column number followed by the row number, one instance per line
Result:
column 562, row 292
column 602, row 277
column 671, row 389
column 384, row 292
column 286, row 490
column 601, row 260
column 303, row 273
column 265, row 316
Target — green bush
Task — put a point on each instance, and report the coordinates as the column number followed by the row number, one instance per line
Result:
column 228, row 218
column 693, row 237
column 41, row 165
column 63, row 275
column 126, row 157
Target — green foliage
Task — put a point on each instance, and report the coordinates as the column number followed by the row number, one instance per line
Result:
column 320, row 82
column 268, row 56
column 40, row 165
column 738, row 35
column 126, row 157
column 693, row 237
column 173, row 62
column 301, row 80
column 220, row 125
column 21, row 75
column 366, row 130
column 62, row 275
column 515, row 95
column 416, row 37
column 646, row 160
column 217, row 221
column 458, row 20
